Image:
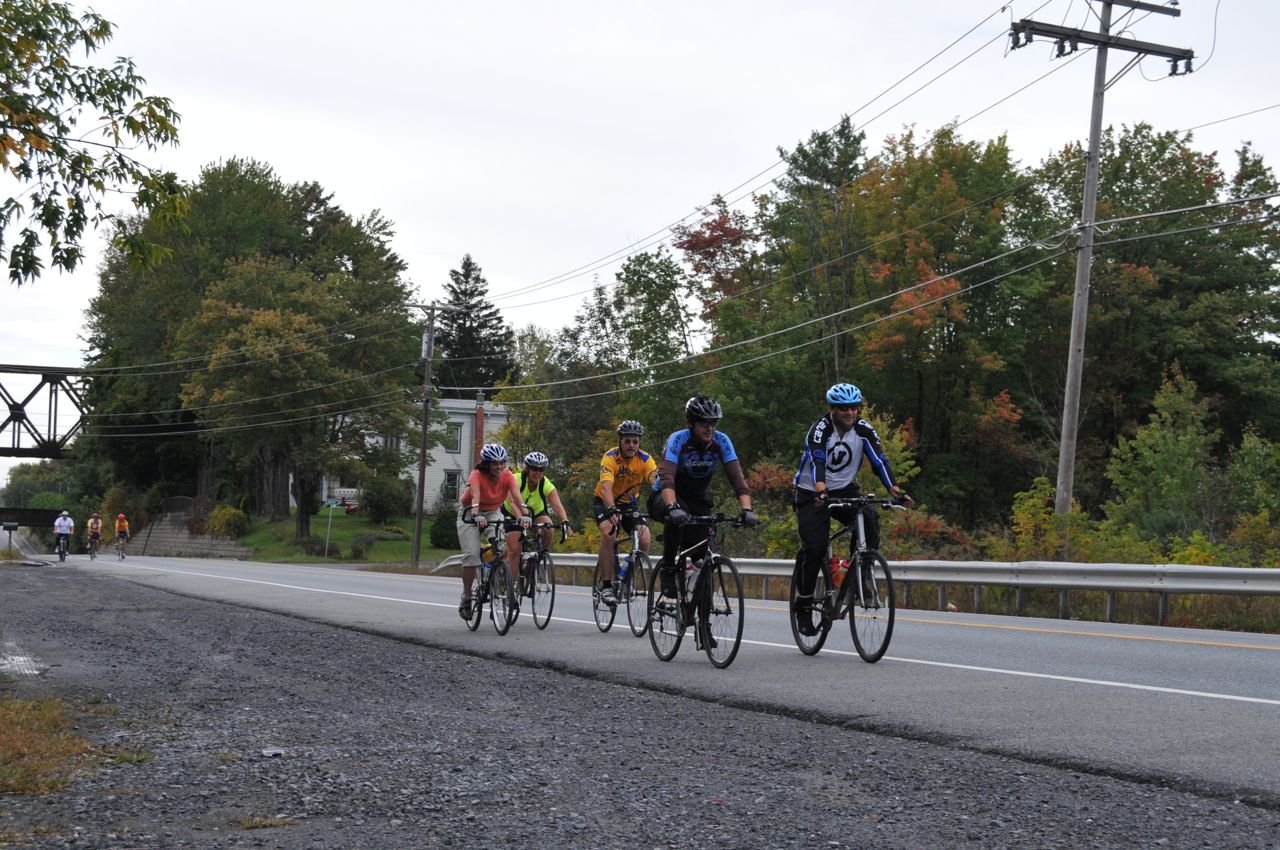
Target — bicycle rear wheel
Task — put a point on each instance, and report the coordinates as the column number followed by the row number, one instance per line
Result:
column 479, row 595
column 93, row 551
column 636, row 589
column 544, row 589
column 722, row 624
column 666, row 624
column 501, row 603
column 601, row 610
column 810, row 608
column 871, row 612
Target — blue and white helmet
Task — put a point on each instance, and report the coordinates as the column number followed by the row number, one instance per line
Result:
column 493, row 453
column 536, row 459
column 844, row 394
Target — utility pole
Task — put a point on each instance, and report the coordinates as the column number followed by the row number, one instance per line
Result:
column 1068, row 40
column 428, row 350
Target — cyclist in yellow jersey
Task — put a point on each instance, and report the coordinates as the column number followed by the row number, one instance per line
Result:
column 540, row 497
column 625, row 473
column 93, row 530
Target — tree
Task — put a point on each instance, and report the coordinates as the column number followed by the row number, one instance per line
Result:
column 67, row 132
column 475, row 344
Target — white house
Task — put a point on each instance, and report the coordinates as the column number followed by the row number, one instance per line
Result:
column 448, row 465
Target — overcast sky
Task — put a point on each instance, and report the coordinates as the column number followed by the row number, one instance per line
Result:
column 541, row 137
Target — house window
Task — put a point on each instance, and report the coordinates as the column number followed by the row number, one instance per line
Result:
column 453, row 438
column 449, row 491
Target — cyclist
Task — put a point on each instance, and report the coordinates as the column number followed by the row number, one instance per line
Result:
column 684, row 474
column 62, row 528
column 540, row 496
column 93, row 530
column 623, row 472
column 488, row 486
column 834, row 450
column 122, row 532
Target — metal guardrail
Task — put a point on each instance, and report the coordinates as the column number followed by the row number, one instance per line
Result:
column 1162, row 579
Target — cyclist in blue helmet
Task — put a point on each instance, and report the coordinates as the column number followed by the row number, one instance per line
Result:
column 835, row 448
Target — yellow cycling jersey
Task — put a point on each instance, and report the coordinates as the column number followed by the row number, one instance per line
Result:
column 630, row 477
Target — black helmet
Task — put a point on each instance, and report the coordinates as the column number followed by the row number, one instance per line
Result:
column 702, row 407
column 630, row 428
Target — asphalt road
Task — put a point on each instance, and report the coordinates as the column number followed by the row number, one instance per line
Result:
column 1194, row 710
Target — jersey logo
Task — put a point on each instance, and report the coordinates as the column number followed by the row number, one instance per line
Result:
column 839, row 458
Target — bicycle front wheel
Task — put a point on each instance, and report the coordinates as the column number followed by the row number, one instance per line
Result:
column 722, row 623
column 544, row 589
column 602, row 611
column 636, row 589
column 806, row 614
column 666, row 623
column 871, row 607
column 501, row 603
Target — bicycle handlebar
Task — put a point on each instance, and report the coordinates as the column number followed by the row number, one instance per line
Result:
column 894, row 504
column 717, row 519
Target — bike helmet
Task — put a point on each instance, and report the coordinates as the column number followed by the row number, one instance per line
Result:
column 64, row 513
column 844, row 394
column 536, row 459
column 630, row 428
column 120, row 517
column 702, row 407
column 493, row 452
column 96, row 514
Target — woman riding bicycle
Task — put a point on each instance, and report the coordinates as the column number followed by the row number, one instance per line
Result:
column 489, row 485
column 541, row 498
column 834, row 450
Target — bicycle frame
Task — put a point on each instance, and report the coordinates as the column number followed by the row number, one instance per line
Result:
column 851, row 591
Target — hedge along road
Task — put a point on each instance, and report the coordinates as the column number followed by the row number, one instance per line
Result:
column 1191, row 709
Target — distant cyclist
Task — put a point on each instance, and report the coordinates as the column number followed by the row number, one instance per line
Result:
column 93, row 530
column 62, row 528
column 541, row 498
column 624, row 472
column 835, row 448
column 684, row 475
column 122, row 532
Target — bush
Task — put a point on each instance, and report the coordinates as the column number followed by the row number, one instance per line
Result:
column 312, row 545
column 226, row 521
column 386, row 496
column 444, row 531
column 361, row 545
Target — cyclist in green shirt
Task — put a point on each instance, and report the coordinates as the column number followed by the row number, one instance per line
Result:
column 540, row 496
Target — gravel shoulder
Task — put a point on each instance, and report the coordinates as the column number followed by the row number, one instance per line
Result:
column 328, row 737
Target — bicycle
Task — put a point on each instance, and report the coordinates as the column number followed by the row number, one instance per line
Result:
column 631, row 574
column 94, row 543
column 120, row 541
column 865, row 593
column 712, row 603
column 61, row 545
column 537, row 573
column 492, row 583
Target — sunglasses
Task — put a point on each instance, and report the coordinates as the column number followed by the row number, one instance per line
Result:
column 710, row 423
column 845, row 406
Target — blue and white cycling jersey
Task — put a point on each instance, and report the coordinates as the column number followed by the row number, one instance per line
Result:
column 694, row 465
column 835, row 458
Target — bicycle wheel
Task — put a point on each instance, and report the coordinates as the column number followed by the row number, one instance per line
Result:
column 666, row 624
column 62, row 550
column 812, row 608
column 501, row 603
column 119, row 549
column 602, row 611
column 636, row 589
column 871, row 617
column 544, row 589
column 479, row 594
column 722, row 624
column 93, row 554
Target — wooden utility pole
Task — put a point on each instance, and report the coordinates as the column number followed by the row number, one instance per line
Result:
column 428, row 350
column 1068, row 40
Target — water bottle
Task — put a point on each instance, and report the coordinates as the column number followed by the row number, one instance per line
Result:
column 486, row 550
column 839, row 566
column 691, row 576
column 624, row 568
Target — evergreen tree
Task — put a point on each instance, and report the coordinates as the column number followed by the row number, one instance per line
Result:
column 476, row 345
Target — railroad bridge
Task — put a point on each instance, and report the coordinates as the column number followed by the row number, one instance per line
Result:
column 31, row 427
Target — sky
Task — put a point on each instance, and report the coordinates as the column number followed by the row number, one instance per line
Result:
column 542, row 138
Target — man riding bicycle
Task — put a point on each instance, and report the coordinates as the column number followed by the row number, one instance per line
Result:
column 684, row 476
column 62, row 528
column 122, row 532
column 623, row 472
column 540, row 496
column 93, row 530
column 835, row 448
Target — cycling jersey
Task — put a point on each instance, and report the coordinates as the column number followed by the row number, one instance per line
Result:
column 93, row 527
column 63, row 525
column 835, row 458
column 629, row 475
column 488, row 493
column 536, row 498
column 122, row 527
column 687, row 467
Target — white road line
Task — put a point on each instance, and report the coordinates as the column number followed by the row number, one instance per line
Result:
column 970, row 667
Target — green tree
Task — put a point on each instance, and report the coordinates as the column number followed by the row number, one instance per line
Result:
column 68, row 132
column 475, row 346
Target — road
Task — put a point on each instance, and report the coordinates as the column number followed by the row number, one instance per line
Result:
column 1191, row 709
